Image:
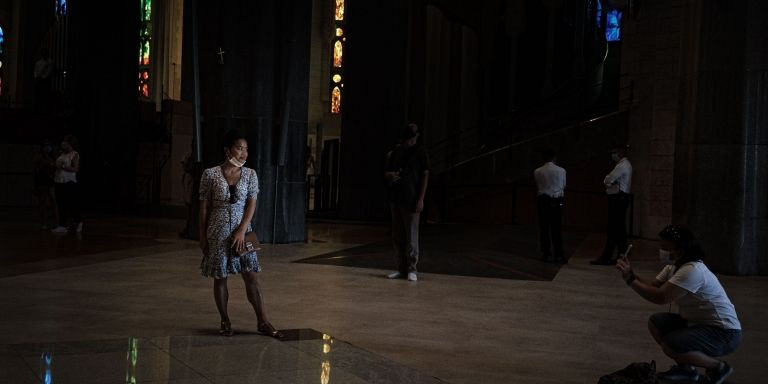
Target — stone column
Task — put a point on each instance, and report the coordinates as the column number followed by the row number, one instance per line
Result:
column 263, row 72
column 721, row 157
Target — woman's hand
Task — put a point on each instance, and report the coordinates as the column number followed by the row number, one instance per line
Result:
column 392, row 177
column 624, row 267
column 238, row 240
column 419, row 206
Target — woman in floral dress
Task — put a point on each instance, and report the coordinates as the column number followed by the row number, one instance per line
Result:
column 227, row 204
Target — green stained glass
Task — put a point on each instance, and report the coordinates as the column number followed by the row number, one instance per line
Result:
column 145, row 46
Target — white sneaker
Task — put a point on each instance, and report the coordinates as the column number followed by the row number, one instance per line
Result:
column 79, row 227
column 395, row 275
column 412, row 276
column 59, row 229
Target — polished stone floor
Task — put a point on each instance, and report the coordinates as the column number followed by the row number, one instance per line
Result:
column 125, row 301
column 508, row 252
column 247, row 358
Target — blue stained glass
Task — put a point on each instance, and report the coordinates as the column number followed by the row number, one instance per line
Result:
column 599, row 14
column 613, row 25
column 61, row 7
column 2, row 39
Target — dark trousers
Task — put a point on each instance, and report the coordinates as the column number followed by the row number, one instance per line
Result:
column 550, row 224
column 617, row 225
column 405, row 238
column 68, row 200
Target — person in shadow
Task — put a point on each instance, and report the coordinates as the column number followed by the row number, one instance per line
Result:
column 67, row 187
column 407, row 175
column 43, row 168
column 550, row 181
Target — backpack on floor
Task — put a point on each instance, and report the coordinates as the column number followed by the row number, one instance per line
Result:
column 635, row 373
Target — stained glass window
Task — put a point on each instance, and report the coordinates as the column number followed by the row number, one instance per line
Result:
column 337, row 69
column 336, row 100
column 599, row 14
column 2, row 40
column 337, row 53
column 339, row 10
column 613, row 25
column 61, row 7
column 145, row 46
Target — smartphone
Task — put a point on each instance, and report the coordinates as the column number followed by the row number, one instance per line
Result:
column 625, row 256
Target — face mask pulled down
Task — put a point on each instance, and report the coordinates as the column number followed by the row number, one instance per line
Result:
column 235, row 162
column 665, row 256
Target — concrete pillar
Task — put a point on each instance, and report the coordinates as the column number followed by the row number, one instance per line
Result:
column 721, row 157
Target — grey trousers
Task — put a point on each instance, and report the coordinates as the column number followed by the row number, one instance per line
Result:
column 405, row 238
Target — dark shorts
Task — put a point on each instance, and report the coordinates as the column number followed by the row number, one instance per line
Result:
column 707, row 339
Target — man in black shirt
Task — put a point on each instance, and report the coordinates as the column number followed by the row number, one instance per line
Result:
column 407, row 174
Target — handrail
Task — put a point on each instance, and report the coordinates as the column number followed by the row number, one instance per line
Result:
column 553, row 97
column 521, row 142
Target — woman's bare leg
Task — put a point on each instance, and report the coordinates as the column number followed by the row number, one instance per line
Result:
column 221, row 295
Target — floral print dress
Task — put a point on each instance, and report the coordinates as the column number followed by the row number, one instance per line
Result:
column 224, row 216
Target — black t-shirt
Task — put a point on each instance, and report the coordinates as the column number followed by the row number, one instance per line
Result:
column 411, row 164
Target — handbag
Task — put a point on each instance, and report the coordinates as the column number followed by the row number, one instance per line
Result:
column 635, row 373
column 251, row 243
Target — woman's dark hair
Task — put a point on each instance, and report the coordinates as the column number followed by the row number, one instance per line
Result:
column 684, row 241
column 231, row 137
column 71, row 140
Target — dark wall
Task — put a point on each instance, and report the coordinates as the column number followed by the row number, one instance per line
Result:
column 101, row 97
column 265, row 68
column 721, row 178
column 387, row 81
column 374, row 102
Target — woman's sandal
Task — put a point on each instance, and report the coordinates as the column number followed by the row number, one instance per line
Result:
column 226, row 329
column 269, row 330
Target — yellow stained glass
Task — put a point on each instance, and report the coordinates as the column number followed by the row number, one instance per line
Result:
column 337, row 54
column 339, row 32
column 336, row 78
column 339, row 10
column 336, row 100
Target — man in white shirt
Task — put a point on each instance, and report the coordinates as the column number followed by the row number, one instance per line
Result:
column 550, row 180
column 618, row 185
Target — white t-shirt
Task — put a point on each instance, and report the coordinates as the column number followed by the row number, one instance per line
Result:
column 62, row 176
column 706, row 302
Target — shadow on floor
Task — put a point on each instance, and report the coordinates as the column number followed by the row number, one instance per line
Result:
column 499, row 251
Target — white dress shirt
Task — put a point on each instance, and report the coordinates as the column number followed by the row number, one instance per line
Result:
column 550, row 179
column 620, row 178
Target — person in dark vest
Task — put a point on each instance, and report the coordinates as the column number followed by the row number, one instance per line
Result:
column 407, row 175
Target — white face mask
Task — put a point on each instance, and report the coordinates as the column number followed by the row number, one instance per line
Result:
column 236, row 163
column 665, row 257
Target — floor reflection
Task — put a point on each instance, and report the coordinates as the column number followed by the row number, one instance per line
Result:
column 210, row 359
column 325, row 373
column 133, row 357
column 47, row 359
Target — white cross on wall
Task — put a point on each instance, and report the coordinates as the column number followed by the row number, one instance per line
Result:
column 221, row 55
